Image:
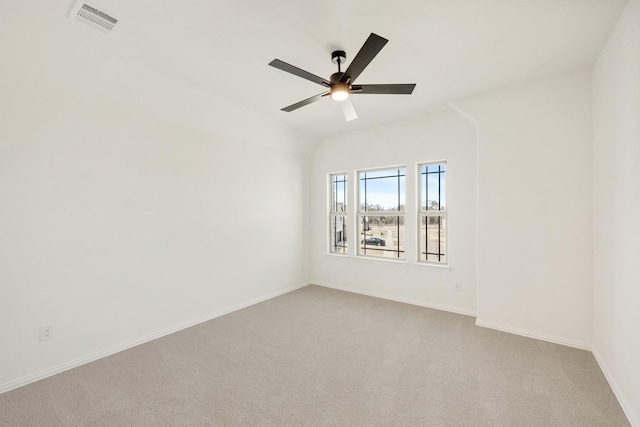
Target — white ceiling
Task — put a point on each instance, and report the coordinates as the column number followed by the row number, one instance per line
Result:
column 187, row 60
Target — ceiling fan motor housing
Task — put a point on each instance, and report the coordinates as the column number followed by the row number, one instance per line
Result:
column 335, row 77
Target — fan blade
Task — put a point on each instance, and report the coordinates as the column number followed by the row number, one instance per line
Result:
column 348, row 110
column 392, row 89
column 368, row 51
column 299, row 72
column 304, row 102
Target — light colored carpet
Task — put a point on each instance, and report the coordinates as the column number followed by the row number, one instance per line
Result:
column 318, row 357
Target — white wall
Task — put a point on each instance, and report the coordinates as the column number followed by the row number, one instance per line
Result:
column 441, row 136
column 116, row 227
column 616, row 204
column 534, row 204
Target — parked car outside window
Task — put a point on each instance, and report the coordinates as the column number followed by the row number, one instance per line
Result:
column 374, row 241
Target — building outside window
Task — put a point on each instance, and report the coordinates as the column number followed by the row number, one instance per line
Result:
column 381, row 213
column 432, row 214
column 338, row 214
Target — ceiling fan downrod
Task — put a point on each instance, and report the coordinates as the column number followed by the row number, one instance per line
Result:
column 338, row 57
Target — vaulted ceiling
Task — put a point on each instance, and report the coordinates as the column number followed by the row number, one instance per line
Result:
column 186, row 60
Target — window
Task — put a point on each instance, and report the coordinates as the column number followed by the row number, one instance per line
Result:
column 338, row 214
column 432, row 215
column 381, row 213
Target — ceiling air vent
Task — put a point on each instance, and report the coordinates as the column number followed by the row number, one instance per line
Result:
column 93, row 17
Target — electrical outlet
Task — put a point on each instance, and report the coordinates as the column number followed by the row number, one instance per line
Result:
column 458, row 287
column 46, row 332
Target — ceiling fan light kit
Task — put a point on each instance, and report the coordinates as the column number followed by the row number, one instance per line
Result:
column 341, row 84
column 339, row 92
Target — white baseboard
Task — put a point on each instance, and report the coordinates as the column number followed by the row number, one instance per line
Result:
column 633, row 418
column 411, row 301
column 490, row 325
column 135, row 342
column 536, row 335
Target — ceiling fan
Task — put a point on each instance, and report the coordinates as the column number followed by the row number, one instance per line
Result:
column 341, row 84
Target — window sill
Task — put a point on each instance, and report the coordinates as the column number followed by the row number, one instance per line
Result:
column 440, row 267
column 338, row 254
column 380, row 259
